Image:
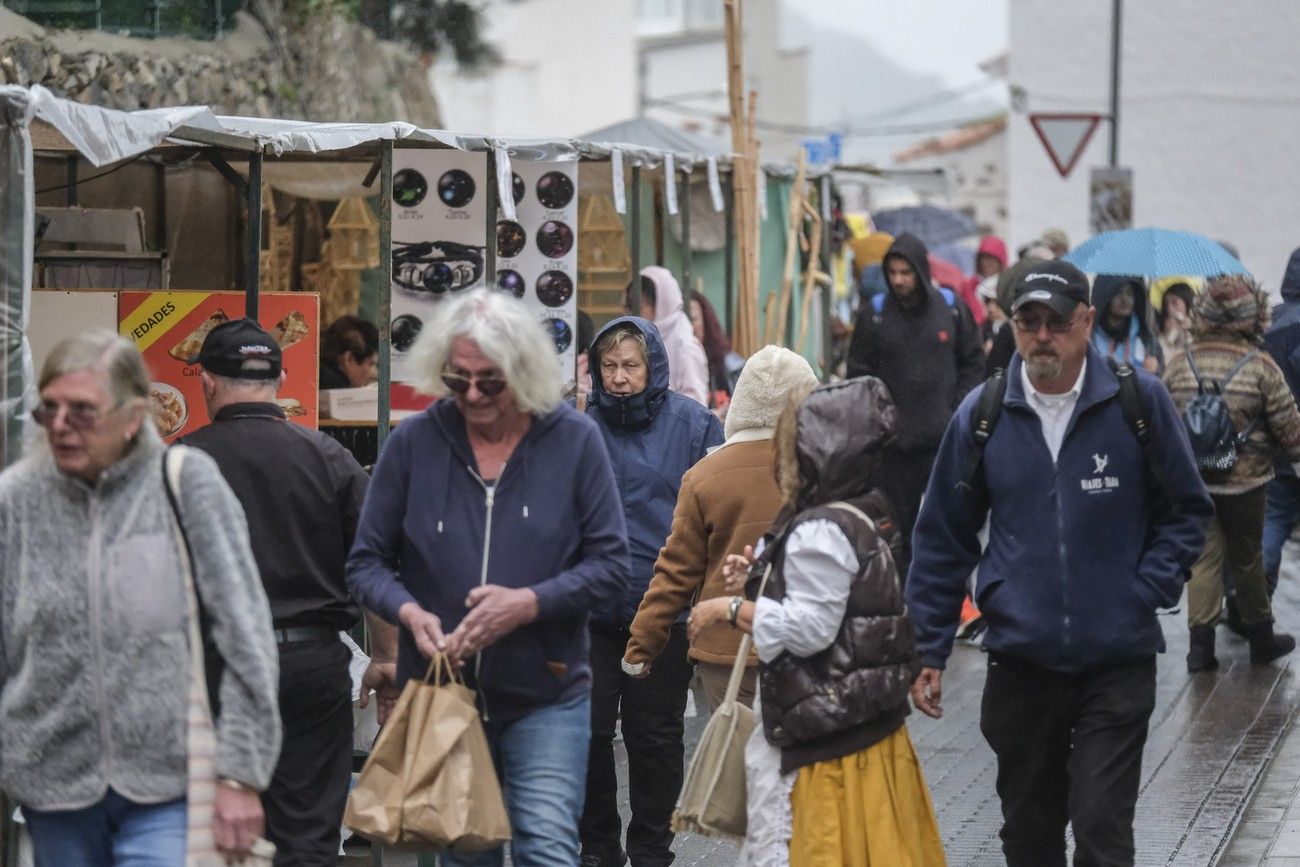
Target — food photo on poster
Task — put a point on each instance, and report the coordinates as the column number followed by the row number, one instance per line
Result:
column 170, row 327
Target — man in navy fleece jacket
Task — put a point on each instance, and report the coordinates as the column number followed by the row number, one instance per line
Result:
column 1084, row 546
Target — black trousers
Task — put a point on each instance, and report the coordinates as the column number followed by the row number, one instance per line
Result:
column 653, row 709
column 304, row 803
column 1069, row 749
column 904, row 476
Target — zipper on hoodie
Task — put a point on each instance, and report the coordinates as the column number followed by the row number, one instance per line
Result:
column 95, row 562
column 489, row 500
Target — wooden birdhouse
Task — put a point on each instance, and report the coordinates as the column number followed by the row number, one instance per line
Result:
column 604, row 260
column 354, row 237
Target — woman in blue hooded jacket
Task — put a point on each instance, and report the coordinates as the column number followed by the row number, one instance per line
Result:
column 653, row 435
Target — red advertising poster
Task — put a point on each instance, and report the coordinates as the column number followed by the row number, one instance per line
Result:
column 169, row 328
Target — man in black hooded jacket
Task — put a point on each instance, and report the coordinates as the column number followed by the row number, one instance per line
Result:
column 924, row 345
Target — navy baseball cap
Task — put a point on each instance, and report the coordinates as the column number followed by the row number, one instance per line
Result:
column 1056, row 283
column 241, row 349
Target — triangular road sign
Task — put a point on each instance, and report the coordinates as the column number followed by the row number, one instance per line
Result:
column 1064, row 136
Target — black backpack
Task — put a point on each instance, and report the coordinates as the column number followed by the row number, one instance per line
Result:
column 984, row 418
column 1215, row 442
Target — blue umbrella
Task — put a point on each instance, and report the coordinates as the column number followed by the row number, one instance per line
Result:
column 1152, row 252
column 962, row 257
column 933, row 225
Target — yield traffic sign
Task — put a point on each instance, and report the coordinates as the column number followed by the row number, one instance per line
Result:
column 1064, row 136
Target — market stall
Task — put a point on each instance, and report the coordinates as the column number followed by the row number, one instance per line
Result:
column 454, row 211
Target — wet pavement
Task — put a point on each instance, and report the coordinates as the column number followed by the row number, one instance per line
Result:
column 1220, row 776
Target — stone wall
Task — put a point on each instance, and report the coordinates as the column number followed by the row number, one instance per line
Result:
column 269, row 66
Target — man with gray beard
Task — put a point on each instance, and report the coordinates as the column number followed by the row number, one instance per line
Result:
column 1089, row 533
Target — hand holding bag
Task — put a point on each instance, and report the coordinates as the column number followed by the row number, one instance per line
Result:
column 430, row 781
column 713, row 801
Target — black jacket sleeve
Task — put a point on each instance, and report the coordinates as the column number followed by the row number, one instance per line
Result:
column 860, row 357
column 1004, row 346
column 970, row 354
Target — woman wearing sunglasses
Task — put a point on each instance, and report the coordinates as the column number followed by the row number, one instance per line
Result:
column 491, row 528
column 94, row 656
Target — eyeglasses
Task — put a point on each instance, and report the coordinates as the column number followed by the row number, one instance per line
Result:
column 79, row 416
column 1032, row 324
column 490, row 386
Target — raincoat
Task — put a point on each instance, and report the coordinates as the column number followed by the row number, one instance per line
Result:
column 653, row 438
column 688, row 366
column 1135, row 342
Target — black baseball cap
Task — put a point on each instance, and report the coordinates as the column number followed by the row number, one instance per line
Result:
column 1056, row 283
column 241, row 349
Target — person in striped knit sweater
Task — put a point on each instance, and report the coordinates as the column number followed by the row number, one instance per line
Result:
column 1231, row 316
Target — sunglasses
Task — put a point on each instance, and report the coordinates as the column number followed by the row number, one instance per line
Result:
column 1032, row 324
column 79, row 416
column 489, row 386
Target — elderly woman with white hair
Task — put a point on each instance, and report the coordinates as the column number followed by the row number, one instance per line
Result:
column 96, row 668
column 491, row 527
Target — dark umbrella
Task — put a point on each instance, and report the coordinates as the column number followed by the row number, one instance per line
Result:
column 933, row 225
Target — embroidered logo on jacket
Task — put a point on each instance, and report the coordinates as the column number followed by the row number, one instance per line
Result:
column 1100, row 483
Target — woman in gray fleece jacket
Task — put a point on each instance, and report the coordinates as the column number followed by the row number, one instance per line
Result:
column 94, row 657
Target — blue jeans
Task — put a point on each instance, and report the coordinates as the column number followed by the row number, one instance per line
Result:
column 541, row 760
column 1281, row 513
column 112, row 833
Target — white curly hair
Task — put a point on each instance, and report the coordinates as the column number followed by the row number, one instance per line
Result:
column 507, row 332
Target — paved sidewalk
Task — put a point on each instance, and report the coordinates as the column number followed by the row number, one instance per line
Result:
column 1221, row 772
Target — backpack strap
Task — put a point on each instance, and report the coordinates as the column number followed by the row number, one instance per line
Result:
column 1254, row 422
column 1135, row 413
column 983, row 419
column 1236, row 368
column 1196, row 372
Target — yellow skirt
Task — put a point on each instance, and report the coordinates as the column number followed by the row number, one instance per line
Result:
column 870, row 809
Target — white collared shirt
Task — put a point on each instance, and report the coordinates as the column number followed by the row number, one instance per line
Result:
column 1053, row 410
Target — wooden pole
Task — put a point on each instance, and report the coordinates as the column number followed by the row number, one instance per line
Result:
column 810, row 276
column 744, row 170
column 776, row 326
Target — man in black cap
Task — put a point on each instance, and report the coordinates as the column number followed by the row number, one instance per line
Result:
column 1089, row 534
column 923, row 344
column 301, row 492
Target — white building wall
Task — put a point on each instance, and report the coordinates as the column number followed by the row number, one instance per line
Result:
column 1209, row 117
column 569, row 66
column 977, row 181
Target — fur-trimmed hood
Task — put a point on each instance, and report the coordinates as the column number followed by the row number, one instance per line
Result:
column 768, row 377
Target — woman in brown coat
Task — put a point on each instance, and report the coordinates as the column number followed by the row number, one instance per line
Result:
column 726, row 502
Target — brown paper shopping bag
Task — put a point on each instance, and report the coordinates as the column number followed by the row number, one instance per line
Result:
column 430, row 781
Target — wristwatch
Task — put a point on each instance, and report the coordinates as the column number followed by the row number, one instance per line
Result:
column 235, row 784
column 733, row 609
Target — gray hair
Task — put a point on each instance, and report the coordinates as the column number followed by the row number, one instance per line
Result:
column 624, row 332
column 103, row 351
column 507, row 332
column 236, row 384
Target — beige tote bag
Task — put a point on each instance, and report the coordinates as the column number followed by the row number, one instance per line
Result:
column 713, row 799
column 430, row 781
